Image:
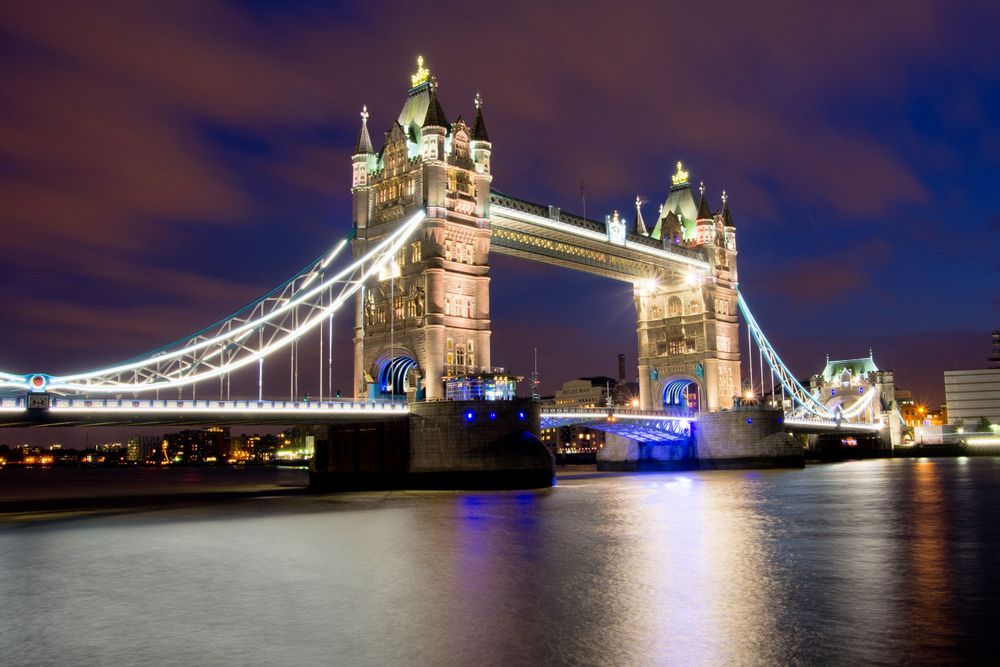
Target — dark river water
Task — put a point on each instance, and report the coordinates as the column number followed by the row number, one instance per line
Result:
column 875, row 562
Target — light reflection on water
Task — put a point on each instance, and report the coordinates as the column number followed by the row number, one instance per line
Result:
column 880, row 561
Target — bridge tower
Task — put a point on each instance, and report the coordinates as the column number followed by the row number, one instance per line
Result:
column 427, row 315
column 688, row 325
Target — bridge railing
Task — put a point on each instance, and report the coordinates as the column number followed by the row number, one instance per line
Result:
column 618, row 412
column 166, row 405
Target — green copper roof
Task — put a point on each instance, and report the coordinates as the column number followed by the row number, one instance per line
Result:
column 861, row 366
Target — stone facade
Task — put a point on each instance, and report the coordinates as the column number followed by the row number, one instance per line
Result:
column 687, row 324
column 431, row 305
column 740, row 438
column 746, row 438
column 848, row 385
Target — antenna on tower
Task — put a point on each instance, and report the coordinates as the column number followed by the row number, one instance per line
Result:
column 534, row 379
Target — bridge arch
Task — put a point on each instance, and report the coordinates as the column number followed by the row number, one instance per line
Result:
column 681, row 394
column 392, row 372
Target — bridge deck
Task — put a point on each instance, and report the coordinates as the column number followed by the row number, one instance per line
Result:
column 153, row 412
column 64, row 411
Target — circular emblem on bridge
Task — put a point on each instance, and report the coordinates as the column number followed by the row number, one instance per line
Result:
column 37, row 382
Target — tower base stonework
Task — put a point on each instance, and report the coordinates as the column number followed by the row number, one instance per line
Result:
column 746, row 437
column 739, row 439
column 439, row 445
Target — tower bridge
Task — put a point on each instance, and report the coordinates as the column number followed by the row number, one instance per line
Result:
column 415, row 266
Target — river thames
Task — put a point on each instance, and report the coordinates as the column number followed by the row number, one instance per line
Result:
column 876, row 562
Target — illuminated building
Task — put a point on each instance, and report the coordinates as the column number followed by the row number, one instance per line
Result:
column 857, row 389
column 210, row 445
column 140, row 448
column 972, row 396
column 573, row 444
column 688, row 328
column 496, row 386
column 589, row 392
column 424, row 313
column 427, row 315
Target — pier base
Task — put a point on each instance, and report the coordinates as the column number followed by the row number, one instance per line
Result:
column 743, row 438
column 439, row 445
column 746, row 437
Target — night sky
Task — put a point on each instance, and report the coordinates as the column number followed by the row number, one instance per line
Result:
column 161, row 164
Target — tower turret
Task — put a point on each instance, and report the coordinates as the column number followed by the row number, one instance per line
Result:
column 362, row 163
column 640, row 224
column 481, row 146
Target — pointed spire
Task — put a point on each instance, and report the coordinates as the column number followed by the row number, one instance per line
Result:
column 704, row 210
column 479, row 132
column 727, row 217
column 364, row 141
column 435, row 114
column 640, row 224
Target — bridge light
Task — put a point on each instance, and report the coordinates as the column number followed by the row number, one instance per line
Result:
column 470, row 416
column 692, row 279
column 647, row 286
column 521, row 415
column 635, row 402
column 493, row 416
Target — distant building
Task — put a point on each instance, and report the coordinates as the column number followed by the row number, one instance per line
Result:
column 254, row 448
column 858, row 389
column 589, row 392
column 972, row 396
column 210, row 445
column 141, row 447
column 573, row 444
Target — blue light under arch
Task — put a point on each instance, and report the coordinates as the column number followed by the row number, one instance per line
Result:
column 676, row 394
column 392, row 373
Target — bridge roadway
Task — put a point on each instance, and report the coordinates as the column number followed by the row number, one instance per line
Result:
column 74, row 411
column 64, row 411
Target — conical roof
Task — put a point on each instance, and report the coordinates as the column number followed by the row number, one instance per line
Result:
column 435, row 116
column 479, row 132
column 704, row 211
column 364, row 144
column 727, row 217
column 640, row 224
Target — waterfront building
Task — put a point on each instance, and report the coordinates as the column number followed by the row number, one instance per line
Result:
column 971, row 396
column 208, row 445
column 859, row 390
column 494, row 386
column 588, row 392
column 140, row 447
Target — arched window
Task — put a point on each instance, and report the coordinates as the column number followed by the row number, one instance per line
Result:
column 674, row 307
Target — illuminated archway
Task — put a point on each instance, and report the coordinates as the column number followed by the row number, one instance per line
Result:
column 681, row 396
column 391, row 373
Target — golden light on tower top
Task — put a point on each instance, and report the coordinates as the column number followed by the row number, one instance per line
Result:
column 422, row 74
column 681, row 177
